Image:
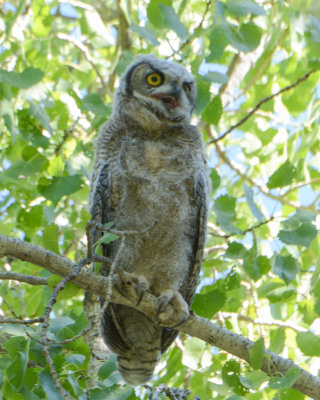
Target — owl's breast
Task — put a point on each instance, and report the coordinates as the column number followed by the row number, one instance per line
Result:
column 156, row 158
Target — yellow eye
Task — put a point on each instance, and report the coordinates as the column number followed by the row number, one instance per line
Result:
column 154, row 79
column 187, row 88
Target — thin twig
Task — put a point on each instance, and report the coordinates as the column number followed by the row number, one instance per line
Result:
column 44, row 339
column 32, row 280
column 253, row 183
column 261, row 102
column 197, row 28
column 85, row 51
column 259, row 321
column 21, row 321
column 251, row 229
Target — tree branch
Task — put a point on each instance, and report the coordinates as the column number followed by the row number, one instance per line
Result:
column 195, row 326
column 32, row 280
column 260, row 103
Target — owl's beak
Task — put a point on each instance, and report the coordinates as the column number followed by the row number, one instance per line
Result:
column 171, row 99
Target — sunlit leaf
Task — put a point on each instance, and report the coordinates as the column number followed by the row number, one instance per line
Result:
column 257, row 354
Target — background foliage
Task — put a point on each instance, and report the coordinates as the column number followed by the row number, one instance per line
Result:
column 60, row 63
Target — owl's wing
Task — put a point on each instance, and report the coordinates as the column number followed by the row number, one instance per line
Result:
column 201, row 206
column 101, row 211
column 101, row 206
column 188, row 292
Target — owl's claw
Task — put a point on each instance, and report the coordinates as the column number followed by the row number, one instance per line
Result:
column 178, row 303
column 133, row 285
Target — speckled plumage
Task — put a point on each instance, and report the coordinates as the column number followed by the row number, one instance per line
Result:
column 150, row 171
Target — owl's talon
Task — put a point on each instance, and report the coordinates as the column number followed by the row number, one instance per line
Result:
column 179, row 305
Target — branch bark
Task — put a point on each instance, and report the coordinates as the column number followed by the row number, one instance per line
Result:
column 196, row 326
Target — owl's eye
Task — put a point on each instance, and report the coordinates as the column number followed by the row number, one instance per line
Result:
column 154, row 79
column 187, row 88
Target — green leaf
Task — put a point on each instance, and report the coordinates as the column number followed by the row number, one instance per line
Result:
column 77, row 359
column 172, row 21
column 50, row 238
column 281, row 294
column 53, row 189
column 41, row 115
column 257, row 354
column 49, row 386
column 203, row 98
column 146, row 34
column 216, row 77
column 230, row 376
column 253, row 379
column 277, row 340
column 224, row 208
column 153, row 12
column 286, row 381
column 309, row 344
column 108, row 367
column 213, row 111
column 302, row 236
column 193, row 351
column 93, row 102
column 264, row 264
column 218, row 43
column 283, row 176
column 252, row 205
column 235, row 250
column 317, row 306
column 17, row 369
column 114, row 392
column 21, row 169
column 29, row 77
column 246, row 39
column 206, row 305
column 286, row 267
column 244, row 7
column 215, row 180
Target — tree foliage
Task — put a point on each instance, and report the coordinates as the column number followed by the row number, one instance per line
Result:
column 256, row 64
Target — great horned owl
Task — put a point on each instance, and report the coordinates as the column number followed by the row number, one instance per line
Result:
column 150, row 176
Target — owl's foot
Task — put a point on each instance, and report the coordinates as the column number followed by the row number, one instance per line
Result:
column 179, row 304
column 132, row 285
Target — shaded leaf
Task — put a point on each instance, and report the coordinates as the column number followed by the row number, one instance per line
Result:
column 285, row 382
column 244, row 7
column 93, row 102
column 215, row 180
column 53, row 189
column 29, row 77
column 286, row 267
column 246, row 39
column 172, row 21
column 235, row 250
column 146, row 34
column 252, row 205
column 302, row 236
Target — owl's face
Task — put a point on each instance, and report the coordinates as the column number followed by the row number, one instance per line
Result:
column 162, row 87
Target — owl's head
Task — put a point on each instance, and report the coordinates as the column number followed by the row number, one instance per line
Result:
column 163, row 88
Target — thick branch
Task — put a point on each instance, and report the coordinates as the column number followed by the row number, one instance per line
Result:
column 195, row 326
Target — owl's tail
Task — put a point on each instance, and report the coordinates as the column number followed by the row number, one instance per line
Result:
column 137, row 342
column 137, row 369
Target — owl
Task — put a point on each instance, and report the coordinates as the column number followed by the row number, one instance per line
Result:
column 150, row 176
